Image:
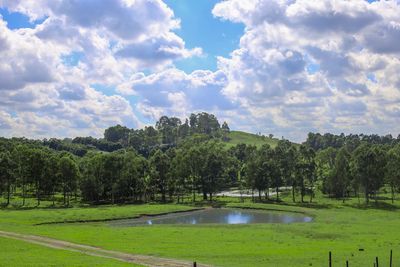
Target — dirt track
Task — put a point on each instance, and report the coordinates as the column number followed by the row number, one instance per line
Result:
column 99, row 252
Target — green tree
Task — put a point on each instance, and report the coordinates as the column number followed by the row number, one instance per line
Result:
column 69, row 175
column 342, row 173
column 117, row 133
column 36, row 164
column 305, row 170
column 368, row 168
column 160, row 164
column 392, row 172
column 6, row 173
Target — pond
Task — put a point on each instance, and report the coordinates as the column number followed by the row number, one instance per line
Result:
column 217, row 216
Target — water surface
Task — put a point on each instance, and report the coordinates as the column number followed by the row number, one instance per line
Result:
column 217, row 216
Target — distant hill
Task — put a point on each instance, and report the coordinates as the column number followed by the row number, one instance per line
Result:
column 238, row 137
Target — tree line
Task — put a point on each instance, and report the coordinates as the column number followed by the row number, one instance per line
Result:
column 174, row 160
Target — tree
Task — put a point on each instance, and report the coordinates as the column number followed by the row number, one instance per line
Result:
column 6, row 173
column 342, row 173
column 36, row 163
column 51, row 175
column 160, row 164
column 168, row 127
column 305, row 170
column 284, row 155
column 392, row 170
column 325, row 169
column 368, row 168
column 215, row 167
column 117, row 133
column 131, row 184
column 259, row 169
column 69, row 174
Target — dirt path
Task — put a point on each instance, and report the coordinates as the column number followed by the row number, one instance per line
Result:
column 99, row 252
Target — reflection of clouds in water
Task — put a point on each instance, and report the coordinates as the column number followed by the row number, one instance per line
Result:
column 237, row 218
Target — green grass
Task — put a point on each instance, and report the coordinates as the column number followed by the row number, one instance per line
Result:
column 32, row 216
column 20, row 253
column 337, row 227
column 238, row 137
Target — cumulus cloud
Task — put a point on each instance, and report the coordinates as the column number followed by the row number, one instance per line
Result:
column 301, row 65
column 176, row 93
column 314, row 65
column 47, row 71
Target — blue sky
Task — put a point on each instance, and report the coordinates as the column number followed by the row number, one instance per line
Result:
column 199, row 28
column 74, row 68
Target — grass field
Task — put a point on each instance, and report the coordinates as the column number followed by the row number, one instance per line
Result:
column 238, row 137
column 20, row 253
column 337, row 227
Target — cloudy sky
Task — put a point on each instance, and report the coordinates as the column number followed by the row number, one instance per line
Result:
column 286, row 67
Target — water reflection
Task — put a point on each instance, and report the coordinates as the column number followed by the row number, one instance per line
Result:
column 218, row 216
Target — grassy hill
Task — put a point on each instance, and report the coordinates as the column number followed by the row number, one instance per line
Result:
column 238, row 137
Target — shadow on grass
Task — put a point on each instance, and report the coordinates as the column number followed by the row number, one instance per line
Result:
column 374, row 205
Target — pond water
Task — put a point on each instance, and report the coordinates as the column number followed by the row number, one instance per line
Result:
column 217, row 216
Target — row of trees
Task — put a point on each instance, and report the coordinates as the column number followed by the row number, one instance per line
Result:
column 367, row 168
column 197, row 166
column 189, row 159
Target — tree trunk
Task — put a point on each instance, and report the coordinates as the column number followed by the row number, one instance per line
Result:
column 210, row 196
column 64, row 195
column 54, row 196
column 23, row 192
column 277, row 193
column 37, row 194
column 392, row 188
column 204, row 195
column 259, row 195
column 8, row 192
column 293, row 196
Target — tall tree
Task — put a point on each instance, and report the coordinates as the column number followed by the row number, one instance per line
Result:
column 6, row 173
column 305, row 170
column 36, row 164
column 342, row 173
column 368, row 168
column 160, row 163
column 284, row 157
column 392, row 172
column 69, row 174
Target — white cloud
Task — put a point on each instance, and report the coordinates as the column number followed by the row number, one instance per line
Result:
column 104, row 42
column 315, row 65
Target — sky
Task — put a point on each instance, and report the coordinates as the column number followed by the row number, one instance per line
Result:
column 283, row 67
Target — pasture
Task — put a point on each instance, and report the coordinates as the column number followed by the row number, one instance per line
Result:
column 344, row 229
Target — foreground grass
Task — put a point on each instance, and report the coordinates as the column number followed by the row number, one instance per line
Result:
column 341, row 228
column 20, row 253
